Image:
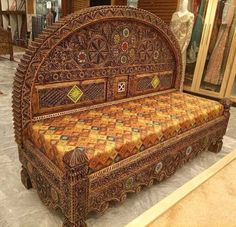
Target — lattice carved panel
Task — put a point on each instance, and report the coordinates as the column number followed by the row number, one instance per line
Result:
column 76, row 93
column 152, row 82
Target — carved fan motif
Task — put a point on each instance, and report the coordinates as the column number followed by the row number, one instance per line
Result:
column 146, row 50
column 98, row 50
column 107, row 44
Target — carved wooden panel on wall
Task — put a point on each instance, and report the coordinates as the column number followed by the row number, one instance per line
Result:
column 161, row 8
column 80, row 4
column 30, row 6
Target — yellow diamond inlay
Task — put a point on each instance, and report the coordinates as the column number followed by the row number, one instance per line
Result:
column 75, row 94
column 155, row 81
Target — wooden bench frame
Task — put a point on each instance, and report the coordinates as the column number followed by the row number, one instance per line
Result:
column 73, row 190
column 6, row 45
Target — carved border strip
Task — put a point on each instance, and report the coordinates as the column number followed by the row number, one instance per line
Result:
column 104, row 72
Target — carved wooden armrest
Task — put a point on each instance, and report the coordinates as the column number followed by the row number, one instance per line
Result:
column 226, row 102
column 76, row 160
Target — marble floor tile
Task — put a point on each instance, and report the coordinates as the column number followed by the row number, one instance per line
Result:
column 22, row 208
column 212, row 203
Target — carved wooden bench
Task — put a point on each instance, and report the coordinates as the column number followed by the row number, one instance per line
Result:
column 6, row 46
column 98, row 110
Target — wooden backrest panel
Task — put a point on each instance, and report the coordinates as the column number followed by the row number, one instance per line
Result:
column 96, row 55
column 6, row 46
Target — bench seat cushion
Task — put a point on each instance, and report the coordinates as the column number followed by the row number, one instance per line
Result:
column 115, row 132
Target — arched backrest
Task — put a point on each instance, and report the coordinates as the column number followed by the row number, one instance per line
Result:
column 96, row 55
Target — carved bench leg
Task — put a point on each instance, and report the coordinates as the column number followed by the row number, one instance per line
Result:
column 25, row 178
column 216, row 148
column 75, row 204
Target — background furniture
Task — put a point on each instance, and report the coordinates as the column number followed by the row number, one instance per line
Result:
column 231, row 86
column 13, row 14
column 38, row 24
column 6, row 46
column 216, row 48
column 162, row 9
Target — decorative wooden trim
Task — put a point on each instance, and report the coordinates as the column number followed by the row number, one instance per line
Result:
column 75, row 188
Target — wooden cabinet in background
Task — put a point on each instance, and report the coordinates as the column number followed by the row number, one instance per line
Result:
column 161, row 8
column 70, row 6
column 231, row 85
column 13, row 15
column 211, row 51
column 6, row 46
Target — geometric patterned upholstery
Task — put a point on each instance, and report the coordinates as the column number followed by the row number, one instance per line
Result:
column 115, row 132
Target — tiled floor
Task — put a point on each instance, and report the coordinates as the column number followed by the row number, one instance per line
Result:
column 22, row 208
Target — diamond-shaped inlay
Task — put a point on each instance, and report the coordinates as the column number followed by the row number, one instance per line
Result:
column 75, row 94
column 155, row 82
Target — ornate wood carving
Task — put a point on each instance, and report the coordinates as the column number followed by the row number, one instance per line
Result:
column 30, row 71
column 91, row 59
